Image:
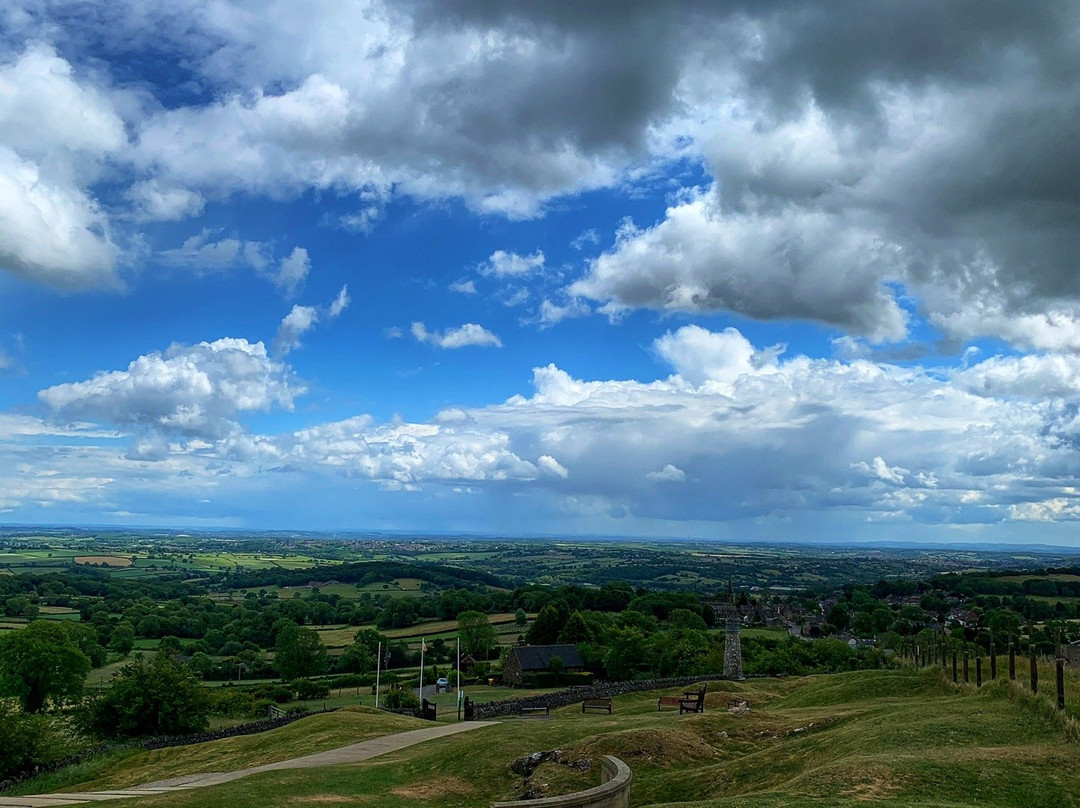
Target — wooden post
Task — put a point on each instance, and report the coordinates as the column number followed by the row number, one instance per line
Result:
column 966, row 680
column 954, row 664
column 1012, row 662
column 942, row 654
column 993, row 661
column 1061, row 682
column 978, row 671
column 1034, row 671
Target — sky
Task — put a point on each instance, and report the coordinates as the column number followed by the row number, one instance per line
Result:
column 743, row 271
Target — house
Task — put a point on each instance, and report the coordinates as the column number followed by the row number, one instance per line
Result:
column 528, row 659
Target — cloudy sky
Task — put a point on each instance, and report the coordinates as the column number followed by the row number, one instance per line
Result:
column 793, row 270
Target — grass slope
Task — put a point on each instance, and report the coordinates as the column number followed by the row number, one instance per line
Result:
column 899, row 739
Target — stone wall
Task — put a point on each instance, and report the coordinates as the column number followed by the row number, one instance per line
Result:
column 574, row 695
column 613, row 791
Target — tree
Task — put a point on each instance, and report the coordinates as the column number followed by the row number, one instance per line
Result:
column 477, row 634
column 162, row 697
column 575, row 630
column 41, row 662
column 299, row 652
column 520, row 618
column 545, row 628
column 123, row 639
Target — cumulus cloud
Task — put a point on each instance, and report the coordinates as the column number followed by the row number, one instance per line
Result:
column 699, row 355
column 195, row 391
column 464, row 287
column 302, row 319
column 292, row 271
column 504, row 264
column 155, row 202
column 202, row 253
column 341, row 302
column 298, row 321
column 462, row 336
column 55, row 131
column 668, row 474
column 768, row 266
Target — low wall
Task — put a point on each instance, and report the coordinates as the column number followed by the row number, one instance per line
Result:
column 561, row 698
column 613, row 791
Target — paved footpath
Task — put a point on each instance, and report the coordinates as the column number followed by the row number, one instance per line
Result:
column 332, row 757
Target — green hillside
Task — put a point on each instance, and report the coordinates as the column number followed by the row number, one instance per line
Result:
column 880, row 738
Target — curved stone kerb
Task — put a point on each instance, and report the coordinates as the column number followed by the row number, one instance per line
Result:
column 613, row 791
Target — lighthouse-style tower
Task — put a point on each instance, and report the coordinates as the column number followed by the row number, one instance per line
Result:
column 732, row 645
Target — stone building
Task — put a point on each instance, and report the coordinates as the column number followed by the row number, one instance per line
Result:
column 527, row 659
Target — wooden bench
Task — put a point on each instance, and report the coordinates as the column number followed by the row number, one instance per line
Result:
column 535, row 711
column 596, row 704
column 691, row 701
column 668, row 701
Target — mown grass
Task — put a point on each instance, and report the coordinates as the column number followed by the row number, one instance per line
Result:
column 901, row 739
column 307, row 736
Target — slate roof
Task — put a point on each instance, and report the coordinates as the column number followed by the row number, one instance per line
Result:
column 538, row 657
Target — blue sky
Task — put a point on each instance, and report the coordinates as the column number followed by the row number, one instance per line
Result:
column 776, row 271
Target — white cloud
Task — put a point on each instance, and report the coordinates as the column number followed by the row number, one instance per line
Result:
column 462, row 336
column 296, row 323
column 668, row 474
column 292, row 272
column 553, row 313
column 699, row 355
column 160, row 203
column 195, row 391
column 766, row 265
column 464, row 287
column 341, row 302
column 54, row 134
column 302, row 319
column 549, row 465
column 201, row 253
column 504, row 264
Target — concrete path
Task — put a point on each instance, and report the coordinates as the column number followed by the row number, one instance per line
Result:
column 332, row 757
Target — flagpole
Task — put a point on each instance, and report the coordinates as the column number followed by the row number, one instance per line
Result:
column 378, row 666
column 459, row 678
column 423, row 647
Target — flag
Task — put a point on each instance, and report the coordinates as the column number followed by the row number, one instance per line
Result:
column 423, row 645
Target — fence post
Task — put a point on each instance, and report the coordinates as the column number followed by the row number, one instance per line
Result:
column 978, row 671
column 1061, row 682
column 966, row 680
column 993, row 661
column 1034, row 671
column 1012, row 662
column 954, row 664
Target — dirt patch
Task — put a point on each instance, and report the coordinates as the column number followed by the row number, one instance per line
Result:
column 326, row 799
column 429, row 789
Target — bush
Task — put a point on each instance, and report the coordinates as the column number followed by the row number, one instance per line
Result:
column 159, row 698
column 306, row 689
column 401, row 700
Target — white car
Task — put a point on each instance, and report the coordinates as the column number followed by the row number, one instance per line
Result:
column 442, row 683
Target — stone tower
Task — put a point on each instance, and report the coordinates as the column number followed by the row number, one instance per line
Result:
column 732, row 645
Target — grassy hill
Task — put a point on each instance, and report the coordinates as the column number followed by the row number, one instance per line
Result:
column 884, row 738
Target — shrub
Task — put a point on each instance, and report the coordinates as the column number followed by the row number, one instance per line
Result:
column 307, row 689
column 401, row 700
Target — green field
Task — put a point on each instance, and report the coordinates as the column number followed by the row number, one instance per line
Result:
column 896, row 739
